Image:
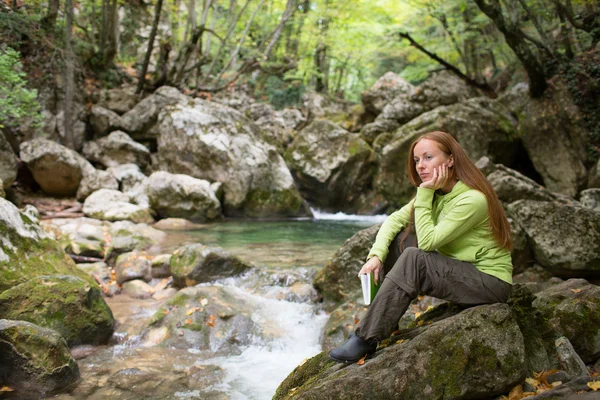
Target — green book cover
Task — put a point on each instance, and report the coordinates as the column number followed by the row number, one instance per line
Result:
column 369, row 288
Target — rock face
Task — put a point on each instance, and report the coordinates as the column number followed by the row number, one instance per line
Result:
column 56, row 168
column 337, row 280
column 216, row 319
column 36, row 361
column 479, row 125
column 83, row 238
column 8, row 162
column 332, row 165
column 131, row 266
column 196, row 263
column 115, row 149
column 181, row 196
column 112, row 205
column 594, row 177
column 132, row 182
column 26, row 251
column 555, row 139
column 93, row 180
column 388, row 87
column 442, row 89
column 210, row 141
column 476, row 354
column 565, row 238
column 590, row 198
column 119, row 100
column 127, row 236
column 573, row 310
column 104, row 121
column 66, row 304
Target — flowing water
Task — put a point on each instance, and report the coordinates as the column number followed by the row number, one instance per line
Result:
column 132, row 367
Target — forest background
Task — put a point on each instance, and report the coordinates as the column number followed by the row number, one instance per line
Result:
column 280, row 49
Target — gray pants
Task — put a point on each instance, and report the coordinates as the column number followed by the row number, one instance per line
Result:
column 410, row 271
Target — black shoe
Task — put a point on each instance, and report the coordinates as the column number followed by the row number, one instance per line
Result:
column 353, row 350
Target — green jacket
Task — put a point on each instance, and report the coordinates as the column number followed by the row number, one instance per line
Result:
column 453, row 224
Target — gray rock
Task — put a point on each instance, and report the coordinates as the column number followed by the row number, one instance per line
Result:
column 2, row 192
column 161, row 266
column 590, row 198
column 132, row 182
column 569, row 360
column 332, row 165
column 104, row 121
column 256, row 111
column 94, row 180
column 127, row 236
column 515, row 98
column 32, row 213
column 133, row 265
column 337, row 280
column 565, row 238
column 56, row 168
column 181, row 196
column 555, row 138
column 137, row 289
column 67, row 304
column 116, row 149
column 573, row 310
column 84, row 239
column 209, row 141
column 477, row 124
column 139, row 121
column 97, row 269
column 8, row 162
column 177, row 224
column 275, row 131
column 36, row 361
column 78, row 127
column 387, row 88
column 119, row 100
column 450, row 359
column 112, row 205
column 292, row 117
column 196, row 263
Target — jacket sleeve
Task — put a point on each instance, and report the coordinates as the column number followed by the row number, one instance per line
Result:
column 469, row 210
column 388, row 231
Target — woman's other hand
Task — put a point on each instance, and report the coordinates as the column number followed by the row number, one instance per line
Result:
column 438, row 179
column 373, row 265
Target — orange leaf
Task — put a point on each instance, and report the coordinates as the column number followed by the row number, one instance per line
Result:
column 575, row 290
column 165, row 312
column 595, row 386
column 401, row 341
column 356, row 320
column 362, row 360
column 516, row 393
column 4, row 389
column 396, row 332
column 188, row 321
column 211, row 320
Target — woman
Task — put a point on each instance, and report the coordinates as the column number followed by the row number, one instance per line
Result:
column 452, row 241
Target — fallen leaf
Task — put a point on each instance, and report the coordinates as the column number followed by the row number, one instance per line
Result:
column 193, row 310
column 420, row 323
column 516, row 393
column 5, row 389
column 418, row 314
column 575, row 290
column 594, row 385
column 356, row 320
column 211, row 320
column 384, row 343
column 362, row 360
column 401, row 341
column 165, row 311
column 396, row 332
column 204, row 302
column 188, row 321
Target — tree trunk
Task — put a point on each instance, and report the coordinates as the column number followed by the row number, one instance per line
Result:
column 49, row 21
column 69, row 77
column 290, row 8
column 321, row 65
column 515, row 39
column 142, row 78
column 292, row 45
column 179, row 67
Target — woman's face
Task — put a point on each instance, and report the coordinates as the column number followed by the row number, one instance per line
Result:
column 428, row 156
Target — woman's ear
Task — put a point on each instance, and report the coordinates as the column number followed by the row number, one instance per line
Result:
column 451, row 161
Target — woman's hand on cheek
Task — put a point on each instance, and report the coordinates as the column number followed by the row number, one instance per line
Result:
column 439, row 178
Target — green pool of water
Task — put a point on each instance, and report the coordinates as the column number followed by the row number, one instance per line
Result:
column 274, row 243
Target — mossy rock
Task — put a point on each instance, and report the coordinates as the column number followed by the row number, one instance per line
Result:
column 196, row 263
column 572, row 308
column 66, row 304
column 36, row 361
column 478, row 353
column 26, row 251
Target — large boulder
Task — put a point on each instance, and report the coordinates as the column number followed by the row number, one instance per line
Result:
column 93, row 180
column 8, row 162
column 212, row 318
column 555, row 138
column 140, row 121
column 573, row 309
column 119, row 100
column 67, row 304
column 176, row 195
column 332, row 165
column 56, row 168
column 132, row 182
column 386, row 89
column 115, row 149
column 337, row 281
column 480, row 126
column 210, row 141
column 26, row 251
column 196, row 263
column 126, row 236
column 104, row 121
column 84, row 237
column 112, row 205
column 478, row 353
column 441, row 89
column 565, row 238
column 132, row 266
column 36, row 361
column 590, row 198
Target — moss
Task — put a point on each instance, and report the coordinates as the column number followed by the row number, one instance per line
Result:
column 263, row 203
column 302, row 376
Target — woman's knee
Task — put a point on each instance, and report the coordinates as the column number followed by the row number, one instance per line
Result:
column 407, row 268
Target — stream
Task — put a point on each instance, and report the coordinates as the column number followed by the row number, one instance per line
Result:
column 133, row 367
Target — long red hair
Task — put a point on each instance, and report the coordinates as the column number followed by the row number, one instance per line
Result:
column 465, row 170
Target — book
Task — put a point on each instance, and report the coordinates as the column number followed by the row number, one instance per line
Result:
column 369, row 287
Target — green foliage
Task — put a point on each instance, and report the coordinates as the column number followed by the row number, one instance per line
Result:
column 280, row 93
column 17, row 103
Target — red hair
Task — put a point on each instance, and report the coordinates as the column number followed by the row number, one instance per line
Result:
column 465, row 170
